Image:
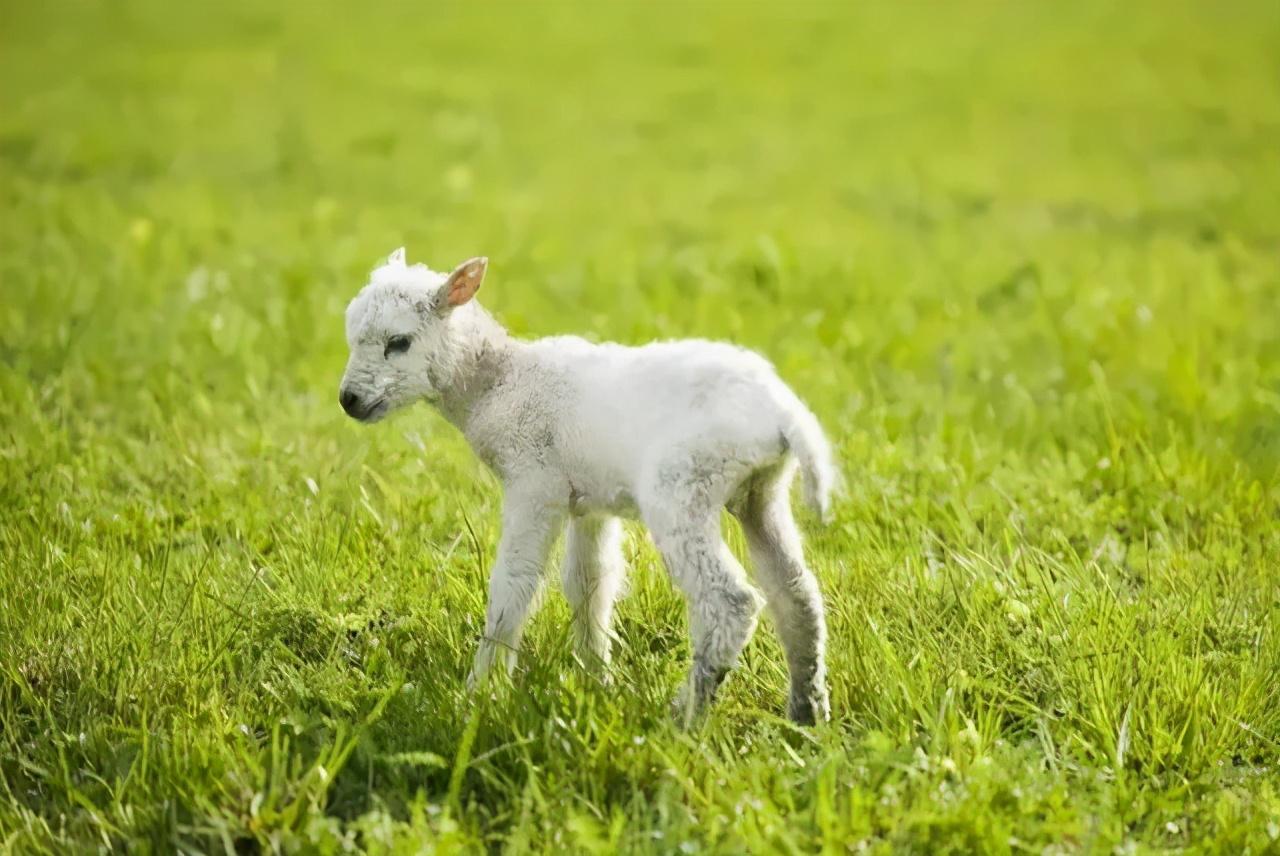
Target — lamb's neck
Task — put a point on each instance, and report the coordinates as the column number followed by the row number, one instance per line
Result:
column 484, row 350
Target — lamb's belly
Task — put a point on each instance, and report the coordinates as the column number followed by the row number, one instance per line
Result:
column 603, row 469
column 602, row 499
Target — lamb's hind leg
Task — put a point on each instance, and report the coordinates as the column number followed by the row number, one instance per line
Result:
column 791, row 588
column 593, row 576
column 722, row 604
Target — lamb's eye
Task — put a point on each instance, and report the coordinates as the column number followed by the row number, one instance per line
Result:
column 397, row 345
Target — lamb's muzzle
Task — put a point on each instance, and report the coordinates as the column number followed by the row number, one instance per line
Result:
column 350, row 403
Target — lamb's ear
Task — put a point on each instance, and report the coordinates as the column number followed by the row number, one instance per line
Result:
column 463, row 283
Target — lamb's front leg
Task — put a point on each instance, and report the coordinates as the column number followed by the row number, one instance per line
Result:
column 529, row 528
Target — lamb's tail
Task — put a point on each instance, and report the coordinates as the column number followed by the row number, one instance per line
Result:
column 806, row 440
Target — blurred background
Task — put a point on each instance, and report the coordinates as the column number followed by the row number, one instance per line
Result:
column 899, row 182
column 1021, row 258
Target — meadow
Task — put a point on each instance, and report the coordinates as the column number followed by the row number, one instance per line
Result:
column 1022, row 259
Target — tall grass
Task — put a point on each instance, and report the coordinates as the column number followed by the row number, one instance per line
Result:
column 1021, row 260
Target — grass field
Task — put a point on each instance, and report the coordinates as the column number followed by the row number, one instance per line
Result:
column 1022, row 259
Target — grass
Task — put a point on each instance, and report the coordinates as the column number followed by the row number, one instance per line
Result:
column 1021, row 259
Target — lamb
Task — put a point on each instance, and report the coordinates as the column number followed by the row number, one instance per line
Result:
column 669, row 433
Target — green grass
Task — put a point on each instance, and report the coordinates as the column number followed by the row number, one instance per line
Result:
column 1023, row 260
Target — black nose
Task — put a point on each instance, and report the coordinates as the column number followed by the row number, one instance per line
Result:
column 350, row 402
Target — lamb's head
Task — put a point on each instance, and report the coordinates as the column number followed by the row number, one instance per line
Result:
column 402, row 334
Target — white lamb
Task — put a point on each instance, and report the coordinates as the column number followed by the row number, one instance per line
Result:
column 670, row 432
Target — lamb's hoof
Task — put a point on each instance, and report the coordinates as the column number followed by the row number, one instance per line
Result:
column 473, row 682
column 688, row 709
column 595, row 668
column 681, row 710
column 809, row 707
column 696, row 695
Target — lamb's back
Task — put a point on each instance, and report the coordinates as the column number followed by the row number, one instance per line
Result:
column 632, row 397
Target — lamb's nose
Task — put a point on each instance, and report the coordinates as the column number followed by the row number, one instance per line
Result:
column 350, row 402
